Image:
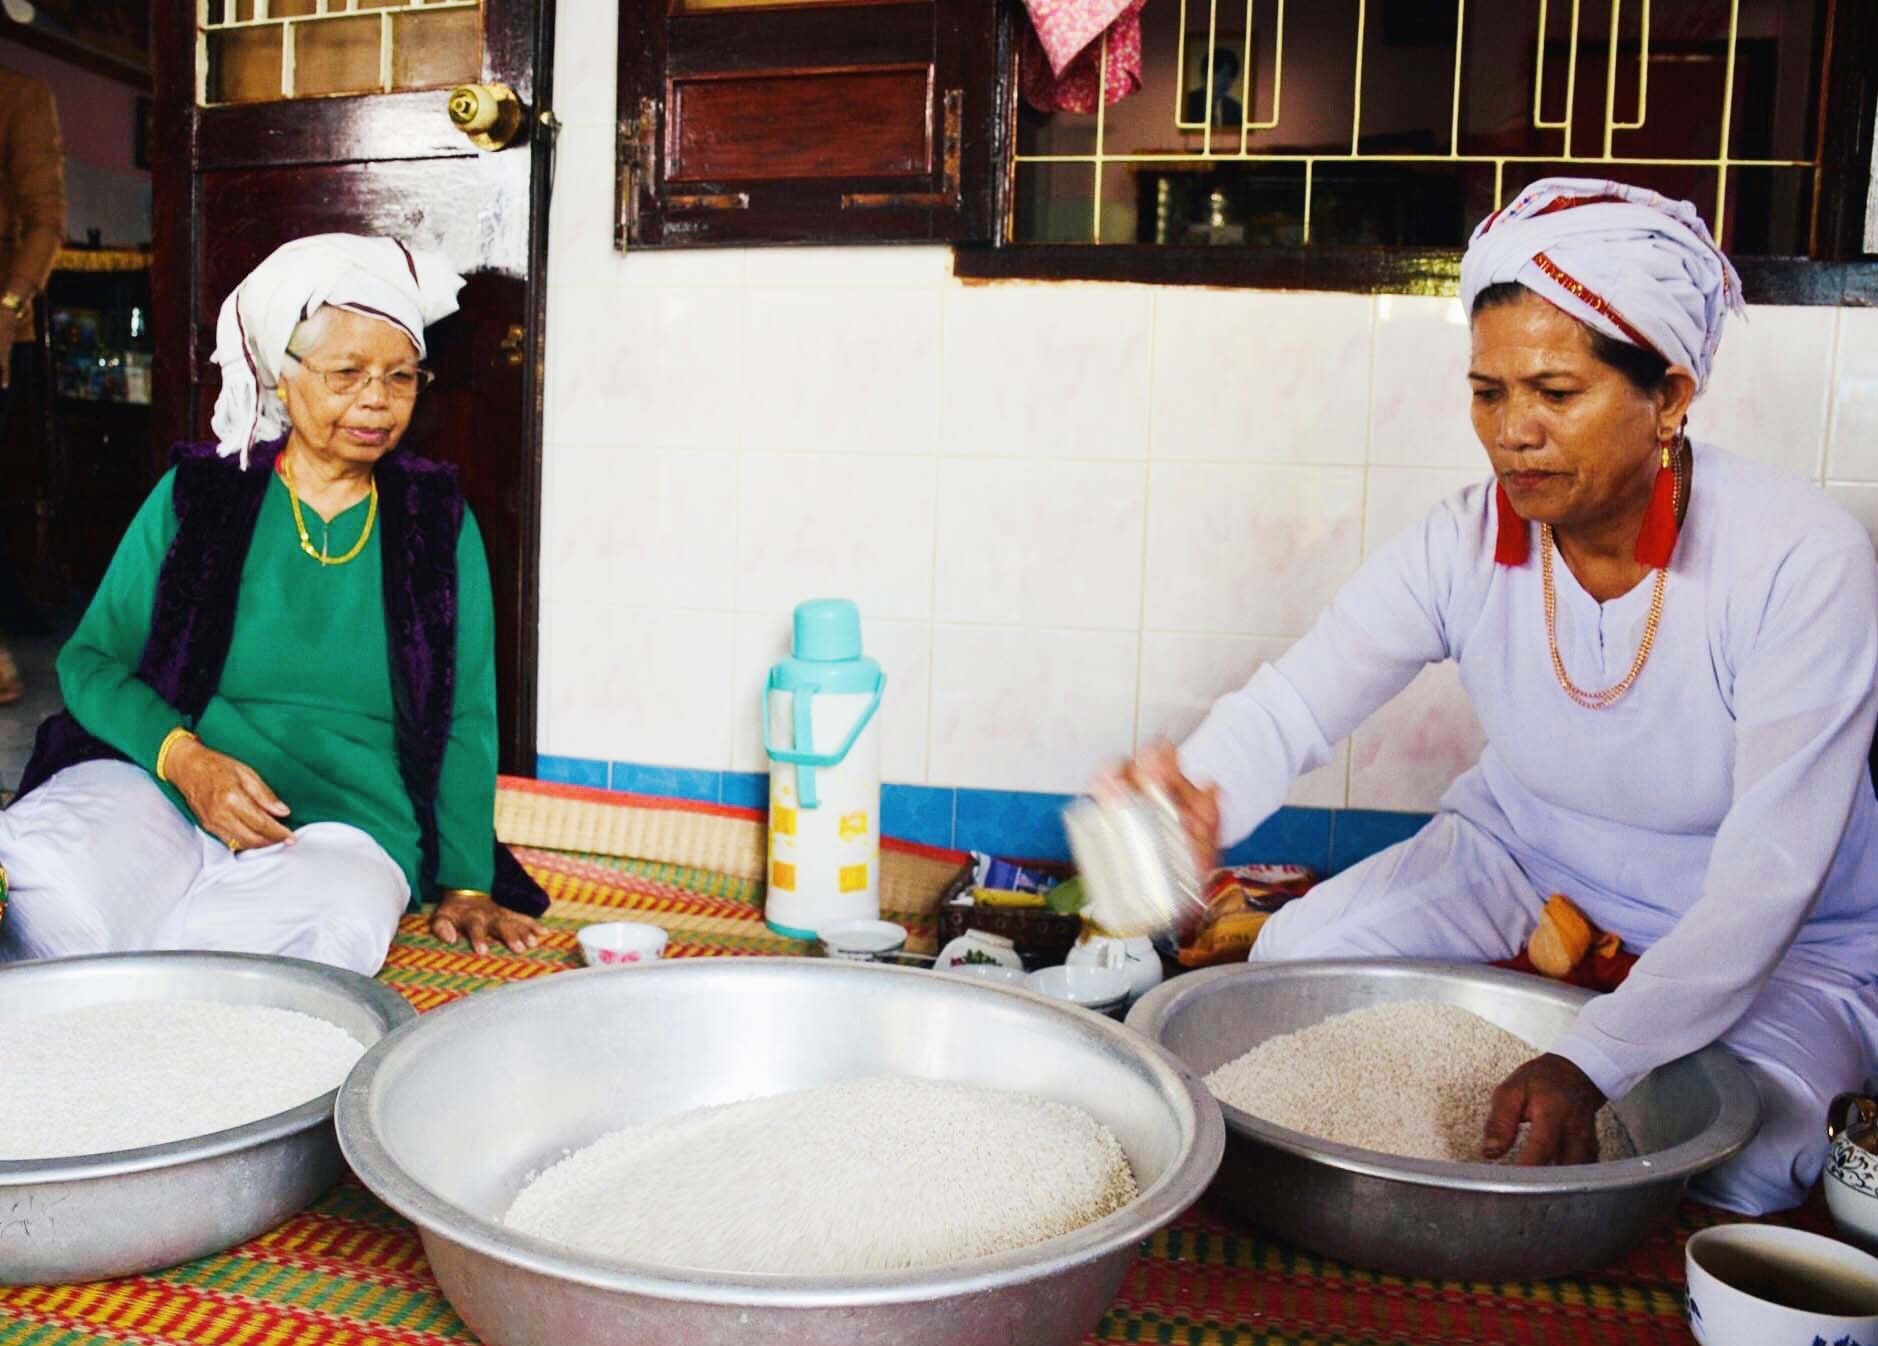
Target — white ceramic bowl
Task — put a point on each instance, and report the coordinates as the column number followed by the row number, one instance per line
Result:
column 1135, row 956
column 1096, row 988
column 861, row 941
column 621, row 943
column 996, row 973
column 1764, row 1285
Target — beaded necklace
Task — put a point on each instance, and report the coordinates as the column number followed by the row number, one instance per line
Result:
column 1610, row 696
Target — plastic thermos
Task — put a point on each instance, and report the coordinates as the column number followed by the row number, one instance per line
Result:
column 821, row 729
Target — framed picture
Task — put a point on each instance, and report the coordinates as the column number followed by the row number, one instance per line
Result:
column 1230, row 55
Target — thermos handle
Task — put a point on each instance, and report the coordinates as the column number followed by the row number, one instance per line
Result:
column 803, row 704
column 805, row 757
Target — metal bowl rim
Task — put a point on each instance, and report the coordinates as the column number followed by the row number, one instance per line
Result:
column 374, row 995
column 1200, row 1123
column 1737, row 1115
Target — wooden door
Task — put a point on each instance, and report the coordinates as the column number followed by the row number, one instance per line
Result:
column 279, row 118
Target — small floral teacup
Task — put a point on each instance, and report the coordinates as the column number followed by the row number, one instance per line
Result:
column 621, row 943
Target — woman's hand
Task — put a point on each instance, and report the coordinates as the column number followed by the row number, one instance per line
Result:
column 230, row 800
column 478, row 919
column 1560, row 1102
column 1197, row 806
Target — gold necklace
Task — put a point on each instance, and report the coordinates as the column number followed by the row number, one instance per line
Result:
column 306, row 538
column 1610, row 696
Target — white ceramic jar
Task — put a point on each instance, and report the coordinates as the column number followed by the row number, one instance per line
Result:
column 1852, row 1167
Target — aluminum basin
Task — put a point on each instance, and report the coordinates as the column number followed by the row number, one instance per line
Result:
column 447, row 1118
column 1421, row 1218
column 92, row 1217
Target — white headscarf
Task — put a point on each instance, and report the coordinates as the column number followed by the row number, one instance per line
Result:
column 378, row 277
column 1630, row 262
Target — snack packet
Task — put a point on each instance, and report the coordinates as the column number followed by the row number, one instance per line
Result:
column 1239, row 900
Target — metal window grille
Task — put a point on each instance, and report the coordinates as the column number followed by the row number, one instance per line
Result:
column 1626, row 65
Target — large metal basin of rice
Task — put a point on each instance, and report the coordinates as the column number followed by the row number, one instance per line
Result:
column 447, row 1119
column 1416, row 1217
column 95, row 1216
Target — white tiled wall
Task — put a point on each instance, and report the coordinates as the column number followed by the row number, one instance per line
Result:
column 1072, row 514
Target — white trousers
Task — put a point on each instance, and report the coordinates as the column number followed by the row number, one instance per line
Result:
column 99, row 861
column 1452, row 893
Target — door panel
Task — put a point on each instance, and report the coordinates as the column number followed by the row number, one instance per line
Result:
column 259, row 174
column 817, row 123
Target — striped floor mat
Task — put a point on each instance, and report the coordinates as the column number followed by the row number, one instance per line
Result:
column 350, row 1273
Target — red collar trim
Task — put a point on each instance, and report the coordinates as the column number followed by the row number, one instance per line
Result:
column 1512, row 541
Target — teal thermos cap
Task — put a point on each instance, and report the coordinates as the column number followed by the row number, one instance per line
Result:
column 827, row 630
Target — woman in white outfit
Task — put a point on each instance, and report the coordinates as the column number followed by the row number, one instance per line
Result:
column 1672, row 651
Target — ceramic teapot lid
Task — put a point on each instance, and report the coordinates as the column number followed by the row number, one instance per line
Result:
column 1854, row 1116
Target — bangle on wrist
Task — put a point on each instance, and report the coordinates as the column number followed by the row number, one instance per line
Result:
column 477, row 894
column 170, row 740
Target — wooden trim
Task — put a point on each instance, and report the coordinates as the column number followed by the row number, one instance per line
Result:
column 1843, row 150
column 173, row 213
column 518, row 751
column 1767, row 280
column 785, row 39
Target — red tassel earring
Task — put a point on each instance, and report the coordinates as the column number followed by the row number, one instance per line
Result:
column 1511, row 543
column 1658, row 538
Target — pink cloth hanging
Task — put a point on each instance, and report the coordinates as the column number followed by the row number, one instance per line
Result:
column 1061, row 64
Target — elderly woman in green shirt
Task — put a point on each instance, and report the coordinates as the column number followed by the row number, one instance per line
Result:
column 281, row 727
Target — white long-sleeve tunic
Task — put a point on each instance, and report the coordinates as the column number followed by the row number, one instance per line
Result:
column 1721, row 816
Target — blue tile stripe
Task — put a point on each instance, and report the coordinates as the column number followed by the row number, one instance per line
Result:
column 571, row 771
column 1004, row 822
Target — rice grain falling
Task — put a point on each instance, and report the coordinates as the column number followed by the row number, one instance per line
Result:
column 879, row 1174
column 117, row 1077
column 1414, row 1079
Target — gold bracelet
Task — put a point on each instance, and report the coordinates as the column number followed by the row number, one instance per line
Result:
column 446, row 894
column 170, row 740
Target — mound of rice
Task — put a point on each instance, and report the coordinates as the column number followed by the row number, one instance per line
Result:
column 117, row 1077
column 879, row 1174
column 1415, row 1079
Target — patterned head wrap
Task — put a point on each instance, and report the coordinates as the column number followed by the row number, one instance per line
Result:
column 379, row 277
column 1627, row 261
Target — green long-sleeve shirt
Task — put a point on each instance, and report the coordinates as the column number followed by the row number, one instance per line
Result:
column 305, row 697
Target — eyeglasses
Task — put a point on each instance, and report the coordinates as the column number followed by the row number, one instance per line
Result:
column 402, row 384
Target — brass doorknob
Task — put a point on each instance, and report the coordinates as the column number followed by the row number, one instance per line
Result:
column 489, row 114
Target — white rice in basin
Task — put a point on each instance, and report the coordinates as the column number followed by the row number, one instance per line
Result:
column 1414, row 1079
column 119, row 1077
column 879, row 1174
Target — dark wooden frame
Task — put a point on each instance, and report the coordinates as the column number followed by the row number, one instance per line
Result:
column 336, row 130
column 1838, row 273
column 965, row 38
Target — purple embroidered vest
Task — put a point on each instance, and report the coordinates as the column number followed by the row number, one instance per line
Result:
column 420, row 513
